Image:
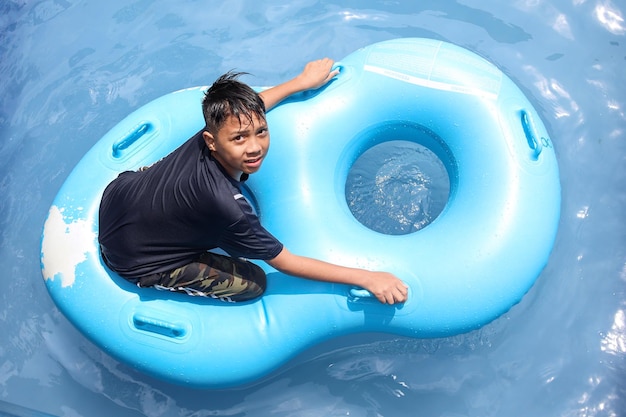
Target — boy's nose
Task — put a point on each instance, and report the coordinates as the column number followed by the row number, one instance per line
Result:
column 254, row 146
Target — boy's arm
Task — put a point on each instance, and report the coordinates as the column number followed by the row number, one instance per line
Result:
column 315, row 74
column 386, row 287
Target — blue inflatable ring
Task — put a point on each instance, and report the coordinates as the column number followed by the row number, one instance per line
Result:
column 469, row 266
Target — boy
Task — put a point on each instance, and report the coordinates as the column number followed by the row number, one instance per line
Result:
column 157, row 224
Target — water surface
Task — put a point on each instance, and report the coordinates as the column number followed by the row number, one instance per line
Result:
column 70, row 70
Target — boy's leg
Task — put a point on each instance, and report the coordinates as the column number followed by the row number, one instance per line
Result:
column 212, row 275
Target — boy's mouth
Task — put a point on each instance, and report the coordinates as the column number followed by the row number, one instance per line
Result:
column 254, row 162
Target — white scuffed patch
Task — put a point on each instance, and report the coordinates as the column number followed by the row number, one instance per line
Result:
column 64, row 246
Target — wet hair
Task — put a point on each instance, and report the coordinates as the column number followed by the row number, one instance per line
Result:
column 230, row 97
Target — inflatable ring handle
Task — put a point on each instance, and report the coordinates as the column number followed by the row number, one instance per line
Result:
column 132, row 137
column 360, row 293
column 531, row 135
column 345, row 73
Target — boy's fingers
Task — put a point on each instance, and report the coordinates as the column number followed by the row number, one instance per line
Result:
column 330, row 76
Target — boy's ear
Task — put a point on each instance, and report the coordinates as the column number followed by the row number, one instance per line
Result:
column 209, row 140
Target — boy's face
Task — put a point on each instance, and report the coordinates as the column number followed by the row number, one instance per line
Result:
column 240, row 145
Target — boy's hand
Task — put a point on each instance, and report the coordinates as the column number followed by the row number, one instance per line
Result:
column 387, row 288
column 316, row 74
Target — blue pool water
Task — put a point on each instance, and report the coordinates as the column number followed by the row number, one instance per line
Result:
column 397, row 187
column 70, row 69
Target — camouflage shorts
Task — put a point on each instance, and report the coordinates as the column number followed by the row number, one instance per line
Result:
column 212, row 275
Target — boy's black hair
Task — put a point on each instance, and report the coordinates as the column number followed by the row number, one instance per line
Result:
column 230, row 97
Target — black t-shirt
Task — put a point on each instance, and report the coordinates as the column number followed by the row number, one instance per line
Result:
column 164, row 217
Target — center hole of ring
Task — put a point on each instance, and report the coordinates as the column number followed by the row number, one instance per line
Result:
column 399, row 185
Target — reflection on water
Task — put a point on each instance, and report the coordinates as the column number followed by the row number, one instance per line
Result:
column 66, row 78
column 614, row 342
column 610, row 17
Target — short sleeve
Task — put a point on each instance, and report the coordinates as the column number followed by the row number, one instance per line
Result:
column 247, row 238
